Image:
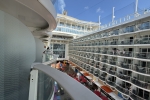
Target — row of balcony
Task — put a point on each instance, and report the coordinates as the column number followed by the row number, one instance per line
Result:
column 113, row 72
column 120, row 87
column 142, row 55
column 126, row 90
column 144, row 40
column 129, row 29
column 134, row 67
column 71, row 30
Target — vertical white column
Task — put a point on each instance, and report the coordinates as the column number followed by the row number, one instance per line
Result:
column 33, row 85
column 84, row 29
column 99, row 22
column 66, row 51
column 136, row 7
column 113, row 14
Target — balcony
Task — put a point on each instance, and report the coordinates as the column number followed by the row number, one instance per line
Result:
column 103, row 60
column 134, row 96
column 104, row 52
column 45, row 75
column 96, row 73
column 102, row 77
column 113, row 43
column 121, row 89
column 113, row 72
column 124, row 77
column 112, row 52
column 126, row 42
column 126, row 53
column 91, row 70
column 101, row 51
column 145, row 25
column 84, row 66
column 125, row 65
column 97, row 65
column 106, row 43
column 111, row 83
column 112, row 62
column 115, row 32
column 145, row 40
column 103, row 68
column 97, row 59
column 144, row 70
column 70, row 30
column 96, row 51
column 87, row 68
column 92, row 57
column 142, row 55
column 92, row 63
column 140, row 83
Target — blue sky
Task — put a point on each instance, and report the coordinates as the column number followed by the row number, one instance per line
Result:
column 89, row 10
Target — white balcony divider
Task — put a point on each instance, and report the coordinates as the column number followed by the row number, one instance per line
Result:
column 33, row 85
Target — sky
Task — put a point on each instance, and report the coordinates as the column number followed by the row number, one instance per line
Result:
column 90, row 10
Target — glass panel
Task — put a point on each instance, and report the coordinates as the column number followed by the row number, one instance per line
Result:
column 45, row 86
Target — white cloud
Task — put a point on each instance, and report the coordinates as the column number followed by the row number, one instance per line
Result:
column 86, row 7
column 62, row 5
column 99, row 10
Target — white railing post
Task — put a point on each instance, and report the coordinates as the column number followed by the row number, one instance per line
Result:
column 33, row 85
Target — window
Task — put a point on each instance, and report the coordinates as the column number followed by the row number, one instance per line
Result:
column 59, row 49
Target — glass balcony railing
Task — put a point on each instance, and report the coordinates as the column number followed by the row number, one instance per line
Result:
column 97, row 66
column 112, row 62
column 145, row 25
column 96, row 73
column 106, row 43
column 124, row 77
column 135, row 96
column 110, row 82
column 129, row 29
column 104, row 60
column 144, row 40
column 143, row 55
column 121, row 89
column 113, row 42
column 104, row 52
column 139, row 83
column 103, row 68
column 71, row 30
column 124, row 65
column 102, row 77
column 126, row 42
column 45, row 86
column 112, row 52
column 126, row 53
column 91, row 70
column 87, row 68
column 52, row 87
column 141, row 69
column 97, row 59
column 113, row 72
column 49, row 56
